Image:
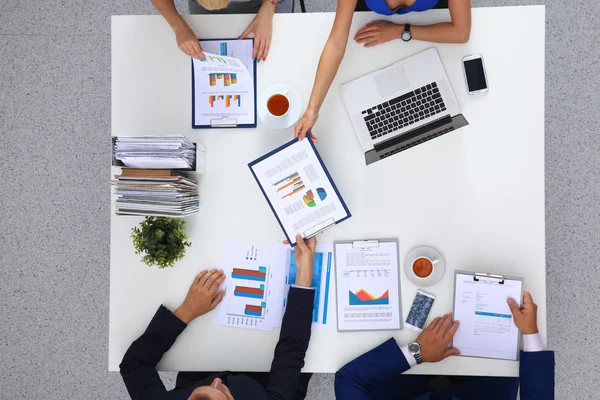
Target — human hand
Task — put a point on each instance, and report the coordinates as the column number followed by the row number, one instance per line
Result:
column 436, row 337
column 262, row 26
column 304, row 254
column 377, row 32
column 304, row 126
column 202, row 296
column 188, row 42
column 526, row 317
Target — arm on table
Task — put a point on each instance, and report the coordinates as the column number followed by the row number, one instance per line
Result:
column 138, row 367
column 186, row 38
column 357, row 379
column 291, row 348
column 331, row 58
column 456, row 31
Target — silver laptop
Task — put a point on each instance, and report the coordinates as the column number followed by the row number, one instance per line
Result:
column 401, row 106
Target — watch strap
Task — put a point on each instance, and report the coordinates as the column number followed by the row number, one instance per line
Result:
column 406, row 27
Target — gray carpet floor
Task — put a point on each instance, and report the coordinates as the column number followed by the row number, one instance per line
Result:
column 55, row 210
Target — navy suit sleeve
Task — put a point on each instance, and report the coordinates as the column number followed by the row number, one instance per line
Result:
column 536, row 374
column 293, row 341
column 357, row 379
column 138, row 367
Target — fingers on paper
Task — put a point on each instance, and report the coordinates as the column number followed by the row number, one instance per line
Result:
column 218, row 298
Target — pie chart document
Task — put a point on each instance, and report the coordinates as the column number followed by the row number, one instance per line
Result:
column 299, row 189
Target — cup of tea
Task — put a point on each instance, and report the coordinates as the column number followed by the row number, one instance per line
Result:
column 278, row 105
column 423, row 267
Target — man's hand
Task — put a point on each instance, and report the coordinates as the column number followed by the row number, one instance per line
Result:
column 436, row 337
column 202, row 296
column 526, row 317
column 188, row 42
column 304, row 254
column 304, row 126
column 262, row 26
column 378, row 32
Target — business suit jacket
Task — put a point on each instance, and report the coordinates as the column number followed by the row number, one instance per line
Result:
column 371, row 376
column 138, row 367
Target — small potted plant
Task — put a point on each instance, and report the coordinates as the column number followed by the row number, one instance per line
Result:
column 161, row 240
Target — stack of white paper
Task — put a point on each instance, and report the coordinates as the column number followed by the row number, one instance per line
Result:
column 171, row 196
column 159, row 152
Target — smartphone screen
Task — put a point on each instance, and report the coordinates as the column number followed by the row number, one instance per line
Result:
column 419, row 311
column 475, row 74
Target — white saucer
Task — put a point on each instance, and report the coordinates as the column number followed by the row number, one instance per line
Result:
column 432, row 254
column 293, row 114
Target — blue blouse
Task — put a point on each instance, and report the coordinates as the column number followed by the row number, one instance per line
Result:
column 381, row 7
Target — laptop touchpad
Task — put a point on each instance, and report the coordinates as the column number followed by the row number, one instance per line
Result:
column 391, row 81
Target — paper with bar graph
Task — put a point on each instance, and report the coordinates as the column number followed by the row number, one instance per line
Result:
column 254, row 286
column 368, row 286
column 224, row 85
column 299, row 189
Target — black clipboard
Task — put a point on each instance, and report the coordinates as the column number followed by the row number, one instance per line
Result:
column 318, row 228
column 223, row 122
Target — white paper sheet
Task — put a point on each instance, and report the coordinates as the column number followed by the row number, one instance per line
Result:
column 254, row 285
column 486, row 326
column 224, row 84
column 368, row 286
column 299, row 190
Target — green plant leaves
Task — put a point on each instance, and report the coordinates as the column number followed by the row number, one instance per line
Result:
column 160, row 240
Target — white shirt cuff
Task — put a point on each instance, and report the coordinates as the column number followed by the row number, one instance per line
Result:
column 408, row 355
column 303, row 287
column 533, row 342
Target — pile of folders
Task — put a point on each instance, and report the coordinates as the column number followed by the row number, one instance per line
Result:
column 155, row 192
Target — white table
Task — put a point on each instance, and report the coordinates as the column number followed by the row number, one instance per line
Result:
column 476, row 194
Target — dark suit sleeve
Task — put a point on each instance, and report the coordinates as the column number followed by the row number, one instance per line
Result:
column 138, row 367
column 293, row 342
column 536, row 374
column 357, row 379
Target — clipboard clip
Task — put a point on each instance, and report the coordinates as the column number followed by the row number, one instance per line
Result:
column 223, row 122
column 319, row 228
column 365, row 244
column 478, row 275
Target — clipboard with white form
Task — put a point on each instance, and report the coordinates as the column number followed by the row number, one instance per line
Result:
column 299, row 190
column 224, row 85
column 367, row 285
column 487, row 328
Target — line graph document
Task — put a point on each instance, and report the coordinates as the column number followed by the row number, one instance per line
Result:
column 368, row 286
column 486, row 326
column 299, row 190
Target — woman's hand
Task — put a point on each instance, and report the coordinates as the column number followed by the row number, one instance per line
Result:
column 377, row 32
column 188, row 42
column 262, row 26
column 304, row 126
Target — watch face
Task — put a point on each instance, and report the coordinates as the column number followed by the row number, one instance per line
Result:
column 406, row 36
column 414, row 348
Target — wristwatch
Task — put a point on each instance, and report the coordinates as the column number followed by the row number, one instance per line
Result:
column 406, row 35
column 415, row 350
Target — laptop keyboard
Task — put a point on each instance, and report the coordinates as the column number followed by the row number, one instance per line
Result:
column 403, row 110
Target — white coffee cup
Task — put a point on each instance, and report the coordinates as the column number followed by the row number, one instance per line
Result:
column 432, row 262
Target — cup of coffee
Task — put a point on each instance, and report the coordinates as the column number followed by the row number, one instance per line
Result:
column 423, row 267
column 278, row 105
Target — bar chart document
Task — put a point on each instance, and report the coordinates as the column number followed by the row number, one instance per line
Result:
column 224, row 85
column 368, row 286
column 253, row 284
column 299, row 190
column 487, row 328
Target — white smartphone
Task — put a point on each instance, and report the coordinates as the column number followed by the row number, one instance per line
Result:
column 419, row 311
column 475, row 74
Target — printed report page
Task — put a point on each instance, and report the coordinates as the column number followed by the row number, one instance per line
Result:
column 486, row 326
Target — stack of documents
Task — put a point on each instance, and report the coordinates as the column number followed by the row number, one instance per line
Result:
column 171, row 151
column 173, row 195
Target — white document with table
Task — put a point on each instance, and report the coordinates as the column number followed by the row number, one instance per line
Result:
column 299, row 190
column 487, row 328
column 368, row 285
